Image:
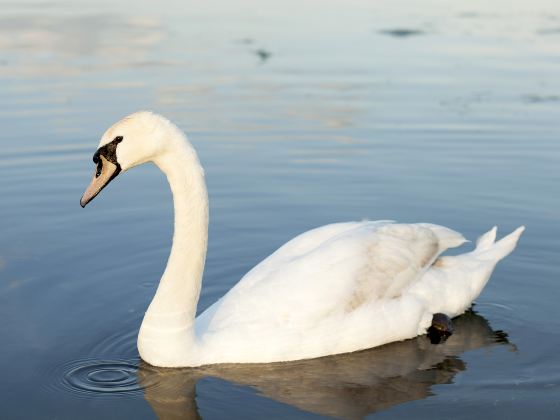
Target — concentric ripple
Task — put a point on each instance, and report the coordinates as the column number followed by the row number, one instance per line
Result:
column 111, row 369
column 102, row 378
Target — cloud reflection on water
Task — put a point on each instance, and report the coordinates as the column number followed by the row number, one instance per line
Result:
column 62, row 45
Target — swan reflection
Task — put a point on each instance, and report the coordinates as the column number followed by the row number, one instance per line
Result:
column 344, row 386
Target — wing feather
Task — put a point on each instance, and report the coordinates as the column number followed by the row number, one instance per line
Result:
column 326, row 272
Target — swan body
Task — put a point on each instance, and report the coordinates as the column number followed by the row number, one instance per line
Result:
column 334, row 289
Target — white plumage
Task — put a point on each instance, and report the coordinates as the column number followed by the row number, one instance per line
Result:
column 335, row 289
column 346, row 287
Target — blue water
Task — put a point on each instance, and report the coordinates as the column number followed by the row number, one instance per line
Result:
column 302, row 114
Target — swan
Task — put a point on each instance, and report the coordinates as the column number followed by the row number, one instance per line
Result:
column 334, row 289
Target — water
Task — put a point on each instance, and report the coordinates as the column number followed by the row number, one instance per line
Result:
column 303, row 114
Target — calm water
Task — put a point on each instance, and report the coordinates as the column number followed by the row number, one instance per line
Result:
column 303, row 113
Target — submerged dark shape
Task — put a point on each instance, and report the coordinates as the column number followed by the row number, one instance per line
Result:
column 343, row 386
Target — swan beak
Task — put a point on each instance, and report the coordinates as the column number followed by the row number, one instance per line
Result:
column 106, row 171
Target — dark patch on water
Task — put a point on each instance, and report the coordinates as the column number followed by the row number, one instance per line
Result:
column 549, row 31
column 263, row 54
column 245, row 41
column 402, row 32
column 476, row 15
column 536, row 99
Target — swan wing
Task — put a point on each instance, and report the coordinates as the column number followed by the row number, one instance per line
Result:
column 324, row 274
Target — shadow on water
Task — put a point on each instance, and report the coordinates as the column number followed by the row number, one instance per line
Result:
column 343, row 386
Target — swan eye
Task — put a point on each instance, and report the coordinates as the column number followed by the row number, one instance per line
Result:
column 99, row 168
column 118, row 139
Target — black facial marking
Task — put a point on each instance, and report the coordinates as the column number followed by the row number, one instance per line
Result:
column 109, row 152
column 99, row 168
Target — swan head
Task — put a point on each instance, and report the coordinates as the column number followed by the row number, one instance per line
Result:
column 134, row 140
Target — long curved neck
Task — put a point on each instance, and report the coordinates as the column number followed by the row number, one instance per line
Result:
column 179, row 286
column 169, row 320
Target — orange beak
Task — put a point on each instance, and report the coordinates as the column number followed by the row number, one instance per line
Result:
column 106, row 171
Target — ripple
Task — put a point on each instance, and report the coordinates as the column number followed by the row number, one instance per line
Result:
column 103, row 375
column 111, row 370
column 94, row 376
column 120, row 344
column 150, row 284
column 101, row 378
column 496, row 305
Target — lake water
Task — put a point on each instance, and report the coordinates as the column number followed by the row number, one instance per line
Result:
column 303, row 113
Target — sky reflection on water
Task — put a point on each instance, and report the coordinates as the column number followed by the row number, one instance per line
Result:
column 438, row 112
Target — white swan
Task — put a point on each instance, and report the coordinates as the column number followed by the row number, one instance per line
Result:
column 335, row 289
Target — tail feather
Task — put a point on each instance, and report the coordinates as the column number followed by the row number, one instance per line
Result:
column 454, row 282
column 487, row 240
column 487, row 249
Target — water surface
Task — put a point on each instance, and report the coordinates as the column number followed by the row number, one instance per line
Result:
column 302, row 115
